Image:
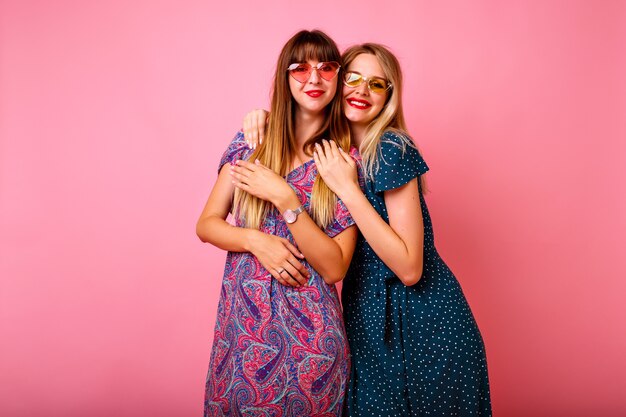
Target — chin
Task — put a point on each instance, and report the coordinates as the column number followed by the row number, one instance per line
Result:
column 317, row 106
column 355, row 118
column 317, row 109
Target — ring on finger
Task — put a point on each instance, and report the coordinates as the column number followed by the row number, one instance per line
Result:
column 280, row 270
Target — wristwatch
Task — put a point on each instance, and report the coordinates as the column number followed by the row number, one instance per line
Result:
column 291, row 216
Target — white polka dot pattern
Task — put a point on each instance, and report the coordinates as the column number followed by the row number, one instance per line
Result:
column 416, row 351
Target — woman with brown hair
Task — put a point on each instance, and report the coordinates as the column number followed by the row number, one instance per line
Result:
column 280, row 347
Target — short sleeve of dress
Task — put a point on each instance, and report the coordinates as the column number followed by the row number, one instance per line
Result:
column 399, row 163
column 343, row 219
column 237, row 149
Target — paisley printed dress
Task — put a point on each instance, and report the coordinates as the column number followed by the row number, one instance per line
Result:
column 277, row 350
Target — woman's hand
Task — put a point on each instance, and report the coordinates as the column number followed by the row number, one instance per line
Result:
column 254, row 127
column 261, row 182
column 337, row 168
column 280, row 258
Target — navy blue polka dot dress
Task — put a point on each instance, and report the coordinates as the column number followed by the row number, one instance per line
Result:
column 416, row 351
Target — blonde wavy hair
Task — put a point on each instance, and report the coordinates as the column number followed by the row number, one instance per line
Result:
column 391, row 117
column 277, row 150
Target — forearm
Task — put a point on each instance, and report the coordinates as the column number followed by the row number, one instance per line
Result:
column 405, row 260
column 218, row 232
column 322, row 252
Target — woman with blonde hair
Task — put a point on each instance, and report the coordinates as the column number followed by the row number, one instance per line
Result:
column 416, row 348
column 280, row 347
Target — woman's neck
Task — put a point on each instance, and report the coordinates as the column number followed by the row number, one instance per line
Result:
column 357, row 133
column 306, row 125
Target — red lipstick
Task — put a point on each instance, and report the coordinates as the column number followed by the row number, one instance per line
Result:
column 314, row 93
column 358, row 104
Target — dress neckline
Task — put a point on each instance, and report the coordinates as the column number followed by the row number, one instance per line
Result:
column 299, row 167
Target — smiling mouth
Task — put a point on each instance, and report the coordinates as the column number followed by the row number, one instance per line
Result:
column 358, row 104
column 314, row 93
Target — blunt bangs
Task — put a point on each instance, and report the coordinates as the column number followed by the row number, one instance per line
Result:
column 313, row 46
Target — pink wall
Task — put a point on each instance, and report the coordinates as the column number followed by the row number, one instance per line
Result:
column 113, row 116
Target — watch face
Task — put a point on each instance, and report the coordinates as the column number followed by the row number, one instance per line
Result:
column 289, row 216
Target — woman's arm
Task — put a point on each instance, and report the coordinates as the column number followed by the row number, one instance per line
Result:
column 273, row 252
column 399, row 244
column 330, row 257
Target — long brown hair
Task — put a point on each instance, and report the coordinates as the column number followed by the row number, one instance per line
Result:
column 391, row 117
column 277, row 150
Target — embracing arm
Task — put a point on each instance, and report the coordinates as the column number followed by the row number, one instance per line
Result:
column 272, row 251
column 330, row 257
column 212, row 226
column 399, row 244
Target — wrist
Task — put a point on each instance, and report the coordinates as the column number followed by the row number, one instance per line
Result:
column 287, row 202
column 251, row 238
column 350, row 194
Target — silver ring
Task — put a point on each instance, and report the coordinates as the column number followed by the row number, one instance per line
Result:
column 280, row 271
